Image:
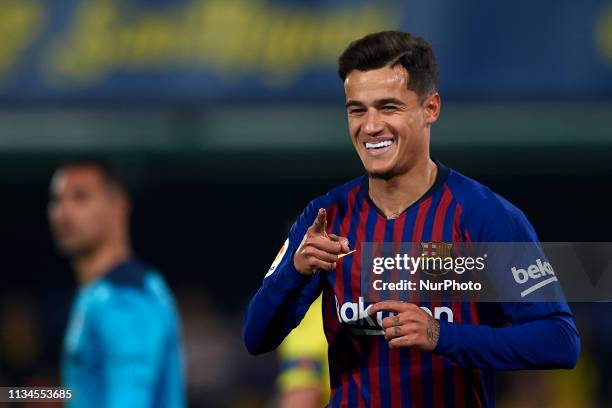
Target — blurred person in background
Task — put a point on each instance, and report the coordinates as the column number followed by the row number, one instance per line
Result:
column 122, row 346
column 303, row 380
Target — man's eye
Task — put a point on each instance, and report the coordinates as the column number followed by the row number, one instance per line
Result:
column 389, row 108
column 80, row 195
column 356, row 111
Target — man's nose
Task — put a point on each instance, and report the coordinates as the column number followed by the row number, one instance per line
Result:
column 373, row 125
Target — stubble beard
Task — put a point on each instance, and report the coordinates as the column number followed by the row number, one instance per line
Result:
column 383, row 175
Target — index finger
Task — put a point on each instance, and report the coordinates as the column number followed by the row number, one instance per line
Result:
column 394, row 306
column 320, row 222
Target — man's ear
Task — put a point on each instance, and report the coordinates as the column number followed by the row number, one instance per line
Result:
column 126, row 205
column 122, row 203
column 431, row 108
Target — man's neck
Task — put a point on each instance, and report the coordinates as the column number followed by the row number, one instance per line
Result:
column 91, row 266
column 394, row 195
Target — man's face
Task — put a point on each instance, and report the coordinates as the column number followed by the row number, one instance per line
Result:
column 82, row 209
column 388, row 124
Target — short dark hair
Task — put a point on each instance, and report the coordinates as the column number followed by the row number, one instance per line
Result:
column 391, row 48
column 109, row 173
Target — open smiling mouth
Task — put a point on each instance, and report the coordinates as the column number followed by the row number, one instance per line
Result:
column 379, row 147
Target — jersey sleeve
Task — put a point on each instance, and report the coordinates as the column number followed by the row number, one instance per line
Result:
column 131, row 341
column 284, row 296
column 512, row 244
column 540, row 334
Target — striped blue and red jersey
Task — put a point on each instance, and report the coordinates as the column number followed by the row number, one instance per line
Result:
column 476, row 339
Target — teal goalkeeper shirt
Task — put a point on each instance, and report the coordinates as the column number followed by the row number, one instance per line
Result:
column 122, row 347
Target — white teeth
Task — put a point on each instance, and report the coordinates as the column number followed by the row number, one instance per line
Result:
column 378, row 145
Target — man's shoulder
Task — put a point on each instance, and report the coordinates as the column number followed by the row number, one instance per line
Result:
column 486, row 212
column 128, row 285
column 129, row 274
column 112, row 306
column 474, row 196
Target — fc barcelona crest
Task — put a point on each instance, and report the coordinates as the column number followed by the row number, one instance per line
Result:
column 435, row 257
